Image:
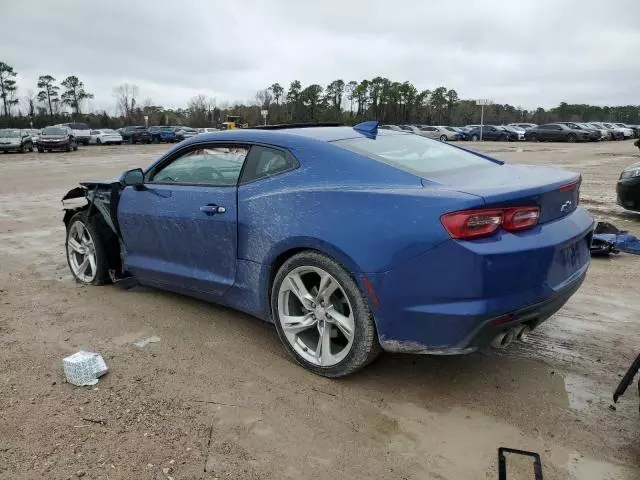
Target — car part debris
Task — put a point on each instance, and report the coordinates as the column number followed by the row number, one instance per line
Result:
column 502, row 462
column 83, row 368
column 146, row 341
column 608, row 239
column 627, row 379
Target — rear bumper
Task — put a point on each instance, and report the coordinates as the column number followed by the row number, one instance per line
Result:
column 486, row 331
column 444, row 301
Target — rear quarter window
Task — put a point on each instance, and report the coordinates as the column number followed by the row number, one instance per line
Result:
column 414, row 154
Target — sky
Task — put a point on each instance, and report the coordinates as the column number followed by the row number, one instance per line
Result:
column 526, row 53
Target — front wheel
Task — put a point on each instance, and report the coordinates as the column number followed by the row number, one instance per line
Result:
column 571, row 138
column 86, row 253
column 24, row 148
column 533, row 137
column 443, row 138
column 321, row 316
column 98, row 141
column 475, row 138
column 75, row 146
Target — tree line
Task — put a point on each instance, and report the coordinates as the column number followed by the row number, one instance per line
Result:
column 346, row 102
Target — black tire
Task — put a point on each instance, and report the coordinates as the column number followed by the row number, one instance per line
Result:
column 475, row 138
column 100, row 234
column 571, row 138
column 443, row 138
column 118, row 143
column 365, row 347
column 31, row 148
column 75, row 146
column 533, row 137
column 68, row 147
column 24, row 148
column 98, row 141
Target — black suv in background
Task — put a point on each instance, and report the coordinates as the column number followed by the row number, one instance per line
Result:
column 135, row 134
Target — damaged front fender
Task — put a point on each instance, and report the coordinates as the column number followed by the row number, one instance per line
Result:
column 101, row 196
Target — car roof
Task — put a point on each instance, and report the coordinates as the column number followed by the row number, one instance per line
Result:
column 287, row 136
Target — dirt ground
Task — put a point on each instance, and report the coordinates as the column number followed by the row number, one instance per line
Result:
column 217, row 397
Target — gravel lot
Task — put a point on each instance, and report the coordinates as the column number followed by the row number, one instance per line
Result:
column 217, row 397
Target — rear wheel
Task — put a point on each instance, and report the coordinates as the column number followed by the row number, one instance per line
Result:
column 86, row 253
column 75, row 146
column 571, row 138
column 321, row 316
column 98, row 141
column 68, row 147
column 443, row 138
column 475, row 138
column 24, row 148
column 533, row 137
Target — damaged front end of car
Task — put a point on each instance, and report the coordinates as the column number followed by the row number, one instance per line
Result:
column 99, row 201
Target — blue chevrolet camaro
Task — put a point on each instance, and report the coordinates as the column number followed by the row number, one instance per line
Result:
column 351, row 240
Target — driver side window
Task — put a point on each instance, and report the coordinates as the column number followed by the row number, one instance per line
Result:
column 212, row 165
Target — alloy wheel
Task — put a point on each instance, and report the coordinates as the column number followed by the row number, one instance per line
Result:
column 316, row 316
column 81, row 251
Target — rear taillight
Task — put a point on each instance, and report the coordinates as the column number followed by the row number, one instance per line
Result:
column 520, row 218
column 469, row 224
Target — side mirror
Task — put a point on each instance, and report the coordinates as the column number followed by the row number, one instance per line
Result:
column 132, row 178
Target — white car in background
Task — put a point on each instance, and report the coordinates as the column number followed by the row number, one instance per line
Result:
column 208, row 130
column 105, row 136
column 626, row 131
column 34, row 134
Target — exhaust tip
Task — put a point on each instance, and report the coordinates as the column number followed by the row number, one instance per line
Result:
column 503, row 339
column 523, row 333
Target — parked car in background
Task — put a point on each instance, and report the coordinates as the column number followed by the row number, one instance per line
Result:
column 435, row 132
column 489, row 132
column 135, row 134
column 513, row 134
column 182, row 133
column 462, row 134
column 446, row 134
column 634, row 128
column 628, row 188
column 207, row 130
column 526, row 126
column 626, row 131
column 163, row 134
column 56, row 138
column 105, row 136
column 594, row 134
column 455, row 231
column 81, row 131
column 614, row 134
column 14, row 139
column 34, row 134
column 556, row 132
column 604, row 133
column 396, row 128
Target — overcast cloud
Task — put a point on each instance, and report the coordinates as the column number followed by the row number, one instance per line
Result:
column 523, row 52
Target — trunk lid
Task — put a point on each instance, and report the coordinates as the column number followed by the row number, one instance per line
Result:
column 555, row 191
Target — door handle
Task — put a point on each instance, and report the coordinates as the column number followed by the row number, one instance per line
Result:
column 212, row 209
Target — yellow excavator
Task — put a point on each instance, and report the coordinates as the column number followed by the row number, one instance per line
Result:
column 234, row 121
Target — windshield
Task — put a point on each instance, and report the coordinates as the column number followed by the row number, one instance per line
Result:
column 53, row 131
column 414, row 153
column 108, row 130
column 79, row 126
column 608, row 125
column 451, row 129
column 10, row 133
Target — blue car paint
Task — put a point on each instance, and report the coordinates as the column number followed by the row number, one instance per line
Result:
column 381, row 223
